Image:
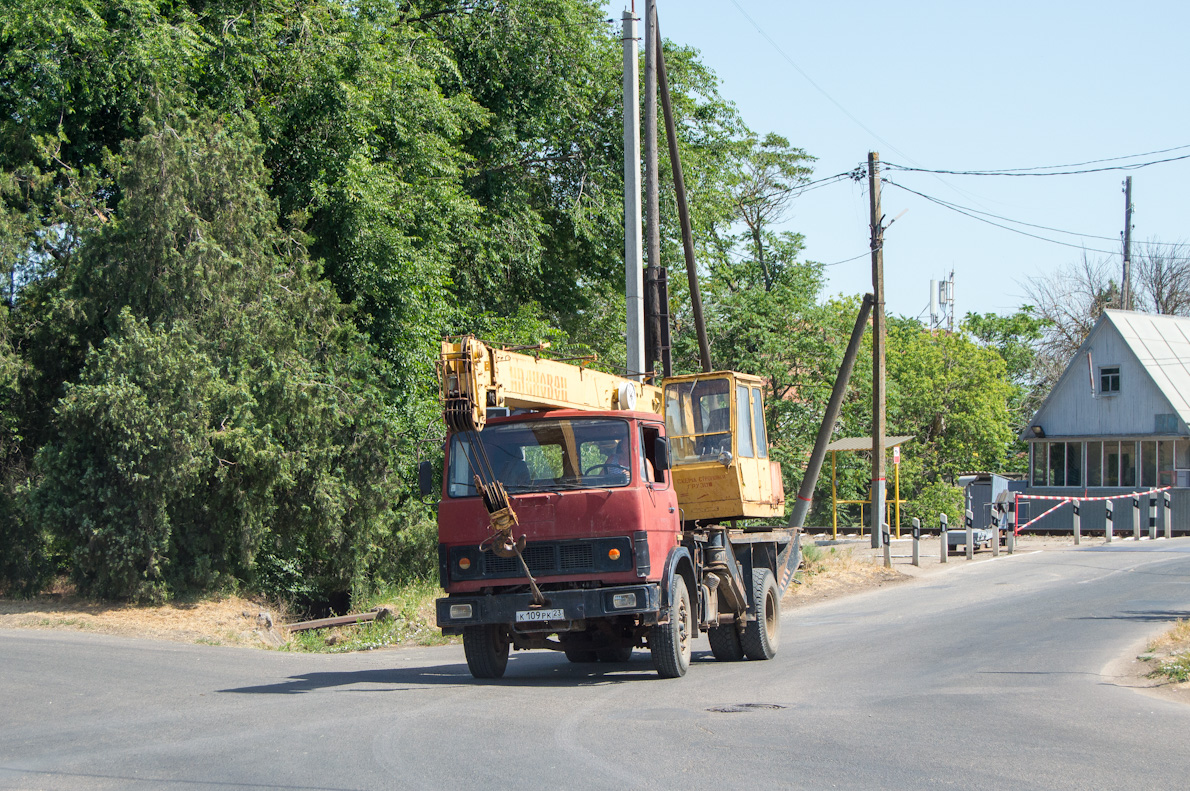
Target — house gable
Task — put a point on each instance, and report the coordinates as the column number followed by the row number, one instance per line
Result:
column 1152, row 354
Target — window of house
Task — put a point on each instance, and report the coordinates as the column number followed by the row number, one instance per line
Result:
column 1148, row 463
column 1057, row 470
column 1074, row 464
column 1128, row 463
column 1111, row 464
column 1094, row 463
column 1037, row 469
column 1109, row 380
column 1165, row 468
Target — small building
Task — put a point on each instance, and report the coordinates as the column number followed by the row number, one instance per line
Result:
column 1116, row 422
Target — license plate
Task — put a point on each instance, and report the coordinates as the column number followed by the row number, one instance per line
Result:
column 525, row 616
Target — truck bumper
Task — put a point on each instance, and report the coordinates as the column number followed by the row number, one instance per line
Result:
column 574, row 605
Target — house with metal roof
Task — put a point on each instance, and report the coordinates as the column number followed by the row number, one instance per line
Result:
column 1117, row 421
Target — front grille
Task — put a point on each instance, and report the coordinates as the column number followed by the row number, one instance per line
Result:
column 546, row 558
column 576, row 556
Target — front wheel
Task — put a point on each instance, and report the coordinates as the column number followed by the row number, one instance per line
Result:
column 669, row 643
column 762, row 635
column 486, row 648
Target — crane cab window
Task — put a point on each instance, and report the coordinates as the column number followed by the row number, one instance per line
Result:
column 743, row 411
column 698, row 419
column 762, row 440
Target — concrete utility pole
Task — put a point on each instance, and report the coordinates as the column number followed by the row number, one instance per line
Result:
column 633, row 261
column 652, row 205
column 878, row 337
column 1126, row 280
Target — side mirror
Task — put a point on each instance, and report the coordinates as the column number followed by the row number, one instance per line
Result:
column 425, row 478
column 661, row 454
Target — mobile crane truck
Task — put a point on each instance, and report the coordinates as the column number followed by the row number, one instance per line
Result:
column 591, row 514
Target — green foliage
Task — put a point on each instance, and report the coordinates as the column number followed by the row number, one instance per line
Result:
column 232, row 240
column 226, row 410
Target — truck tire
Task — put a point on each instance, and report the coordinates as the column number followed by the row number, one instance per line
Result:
column 762, row 635
column 486, row 648
column 725, row 643
column 670, row 643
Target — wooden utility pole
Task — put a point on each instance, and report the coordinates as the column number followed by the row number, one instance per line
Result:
column 1126, row 280
column 878, row 336
column 675, row 164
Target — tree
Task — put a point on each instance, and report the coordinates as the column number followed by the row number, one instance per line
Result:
column 1069, row 301
column 225, row 423
column 1163, row 278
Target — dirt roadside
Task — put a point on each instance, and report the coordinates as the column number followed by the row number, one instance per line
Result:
column 845, row 568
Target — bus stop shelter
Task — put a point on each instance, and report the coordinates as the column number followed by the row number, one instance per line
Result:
column 865, row 444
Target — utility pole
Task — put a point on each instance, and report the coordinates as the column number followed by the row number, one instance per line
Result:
column 633, row 262
column 878, row 337
column 675, row 165
column 652, row 205
column 1126, row 281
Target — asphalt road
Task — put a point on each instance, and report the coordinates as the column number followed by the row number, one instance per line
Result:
column 990, row 675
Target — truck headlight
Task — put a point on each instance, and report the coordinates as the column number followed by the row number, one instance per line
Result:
column 460, row 611
column 623, row 601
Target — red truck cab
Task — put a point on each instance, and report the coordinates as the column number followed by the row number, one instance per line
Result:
column 594, row 498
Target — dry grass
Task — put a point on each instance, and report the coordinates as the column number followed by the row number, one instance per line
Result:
column 227, row 620
column 828, row 572
column 1169, row 654
column 231, row 620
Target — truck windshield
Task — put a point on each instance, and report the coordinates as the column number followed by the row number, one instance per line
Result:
column 698, row 419
column 546, row 455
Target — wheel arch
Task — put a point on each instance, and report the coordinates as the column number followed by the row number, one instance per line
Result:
column 679, row 563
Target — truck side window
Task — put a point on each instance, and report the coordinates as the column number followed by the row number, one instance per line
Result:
column 648, row 444
column 649, row 472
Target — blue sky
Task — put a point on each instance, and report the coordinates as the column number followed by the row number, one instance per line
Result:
column 960, row 86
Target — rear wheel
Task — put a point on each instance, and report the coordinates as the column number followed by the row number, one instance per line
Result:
column 762, row 635
column 486, row 648
column 670, row 642
column 725, row 643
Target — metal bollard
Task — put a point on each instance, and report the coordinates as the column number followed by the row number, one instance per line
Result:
column 1011, row 531
column 1165, row 517
column 1136, row 517
column 1152, row 517
column 970, row 535
column 916, row 541
column 942, row 519
column 1078, row 523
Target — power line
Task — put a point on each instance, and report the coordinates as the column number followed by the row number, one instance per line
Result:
column 973, row 216
column 957, row 207
column 864, row 254
column 1033, row 171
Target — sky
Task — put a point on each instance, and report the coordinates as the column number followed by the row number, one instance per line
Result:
column 961, row 86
